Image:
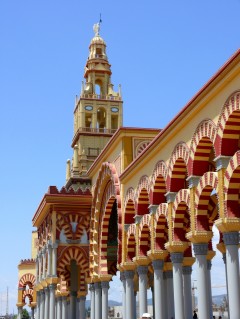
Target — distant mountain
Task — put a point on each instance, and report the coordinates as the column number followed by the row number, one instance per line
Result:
column 218, row 300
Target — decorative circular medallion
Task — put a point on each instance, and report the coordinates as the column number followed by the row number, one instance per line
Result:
column 88, row 107
column 114, row 109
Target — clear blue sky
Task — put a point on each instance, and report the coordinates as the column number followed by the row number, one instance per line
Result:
column 162, row 52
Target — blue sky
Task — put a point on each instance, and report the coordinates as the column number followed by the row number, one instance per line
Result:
column 161, row 52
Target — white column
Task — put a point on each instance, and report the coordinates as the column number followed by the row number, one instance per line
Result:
column 165, row 297
column 129, row 274
column 177, row 259
column 49, row 265
column 82, row 309
column 143, row 281
column 54, row 259
column 225, row 265
column 170, row 295
column 231, row 241
column 201, row 251
column 209, row 266
column 187, row 288
column 42, row 303
column 38, row 305
column 46, row 307
column 98, row 300
column 52, row 288
column 123, row 280
column 105, row 287
column 44, row 262
column 19, row 316
column 59, row 307
column 92, row 296
column 158, row 288
column 64, row 307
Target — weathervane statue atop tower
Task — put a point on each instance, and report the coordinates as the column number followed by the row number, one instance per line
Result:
column 96, row 27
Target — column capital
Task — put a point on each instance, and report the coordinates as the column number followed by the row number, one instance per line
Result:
column 55, row 245
column 170, row 196
column 97, row 285
column 158, row 264
column 177, row 258
column 231, row 238
column 122, row 276
column 129, row 274
column 52, row 287
column 193, row 181
column 142, row 270
column 222, row 162
column 105, row 284
column 126, row 227
column 152, row 209
column 91, row 287
column 82, row 298
column 200, row 249
column 137, row 219
column 187, row 270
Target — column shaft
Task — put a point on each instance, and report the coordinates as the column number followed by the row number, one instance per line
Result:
column 46, row 308
column 123, row 279
column 49, row 266
column 82, row 309
column 64, row 307
column 105, row 287
column 209, row 266
column 143, row 281
column 187, row 288
column 42, row 303
column 92, row 294
column 170, row 295
column 200, row 251
column 59, row 308
column 129, row 274
column 231, row 241
column 52, row 288
column 98, row 300
column 177, row 259
column 158, row 288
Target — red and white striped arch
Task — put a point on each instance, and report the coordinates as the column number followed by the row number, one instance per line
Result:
column 201, row 146
column 129, row 206
column 27, row 280
column 177, row 170
column 158, row 184
column 28, row 293
column 144, row 239
column 73, row 253
column 142, row 196
column 207, row 187
column 103, row 233
column 228, row 126
column 232, row 187
column 131, row 243
column 161, row 227
column 181, row 216
column 107, row 190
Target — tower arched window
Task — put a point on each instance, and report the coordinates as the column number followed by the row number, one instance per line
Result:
column 101, row 119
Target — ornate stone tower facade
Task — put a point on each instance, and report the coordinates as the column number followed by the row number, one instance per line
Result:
column 98, row 110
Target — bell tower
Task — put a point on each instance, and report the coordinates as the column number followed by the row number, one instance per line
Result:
column 98, row 110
